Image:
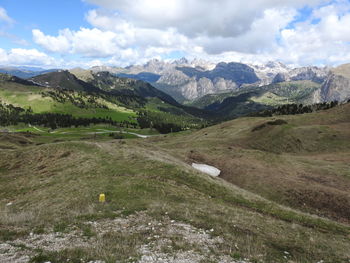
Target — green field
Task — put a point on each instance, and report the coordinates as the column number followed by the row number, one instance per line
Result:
column 31, row 98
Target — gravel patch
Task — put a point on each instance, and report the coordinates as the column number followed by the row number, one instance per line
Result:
column 166, row 241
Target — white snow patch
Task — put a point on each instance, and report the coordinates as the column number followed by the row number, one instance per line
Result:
column 211, row 170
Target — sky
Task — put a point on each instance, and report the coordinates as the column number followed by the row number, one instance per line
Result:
column 86, row 33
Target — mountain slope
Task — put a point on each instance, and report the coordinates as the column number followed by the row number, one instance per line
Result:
column 252, row 99
column 63, row 79
column 109, row 83
column 337, row 85
column 189, row 80
column 300, row 161
column 104, row 96
column 237, row 72
column 14, row 79
column 129, row 87
column 158, row 206
column 23, row 72
column 39, row 99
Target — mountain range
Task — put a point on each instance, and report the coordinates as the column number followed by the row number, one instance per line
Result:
column 190, row 80
column 89, row 95
column 25, row 72
column 237, row 87
column 187, row 81
column 281, row 194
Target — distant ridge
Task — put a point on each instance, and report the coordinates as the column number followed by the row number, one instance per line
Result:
column 187, row 80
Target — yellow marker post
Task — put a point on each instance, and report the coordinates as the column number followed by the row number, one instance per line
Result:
column 102, row 198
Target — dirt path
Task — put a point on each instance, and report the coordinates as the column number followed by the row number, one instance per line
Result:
column 132, row 133
column 35, row 128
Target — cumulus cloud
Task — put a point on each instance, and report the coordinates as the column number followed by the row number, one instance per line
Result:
column 126, row 32
column 259, row 38
column 112, row 37
column 224, row 18
column 58, row 44
column 20, row 57
column 129, row 34
column 327, row 40
column 88, row 42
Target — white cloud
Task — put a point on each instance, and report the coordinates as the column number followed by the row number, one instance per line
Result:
column 221, row 18
column 23, row 57
column 205, row 28
column 58, row 44
column 112, row 37
column 95, row 43
column 259, row 38
column 4, row 16
column 87, row 42
column 129, row 34
column 328, row 40
column 136, row 31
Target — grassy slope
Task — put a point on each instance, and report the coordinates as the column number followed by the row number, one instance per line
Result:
column 288, row 92
column 342, row 70
column 29, row 96
column 155, row 98
column 270, row 95
column 56, row 185
column 303, row 164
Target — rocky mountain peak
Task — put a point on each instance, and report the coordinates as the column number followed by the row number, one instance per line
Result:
column 275, row 64
column 337, row 84
column 181, row 61
column 188, row 80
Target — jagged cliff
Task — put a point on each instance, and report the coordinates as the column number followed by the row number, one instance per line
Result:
column 337, row 85
column 190, row 80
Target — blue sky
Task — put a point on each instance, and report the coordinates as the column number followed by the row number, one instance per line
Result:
column 122, row 32
column 49, row 16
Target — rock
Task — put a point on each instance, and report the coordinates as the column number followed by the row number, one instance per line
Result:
column 336, row 87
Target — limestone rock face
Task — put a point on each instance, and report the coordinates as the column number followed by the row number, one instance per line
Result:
column 336, row 87
column 190, row 80
column 305, row 73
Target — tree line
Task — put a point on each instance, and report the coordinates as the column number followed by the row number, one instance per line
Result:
column 78, row 99
column 84, row 99
column 166, row 123
column 161, row 121
column 12, row 115
column 292, row 109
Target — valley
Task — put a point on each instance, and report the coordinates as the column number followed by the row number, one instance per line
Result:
column 282, row 194
column 175, row 131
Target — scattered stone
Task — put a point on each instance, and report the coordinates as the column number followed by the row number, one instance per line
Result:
column 200, row 242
